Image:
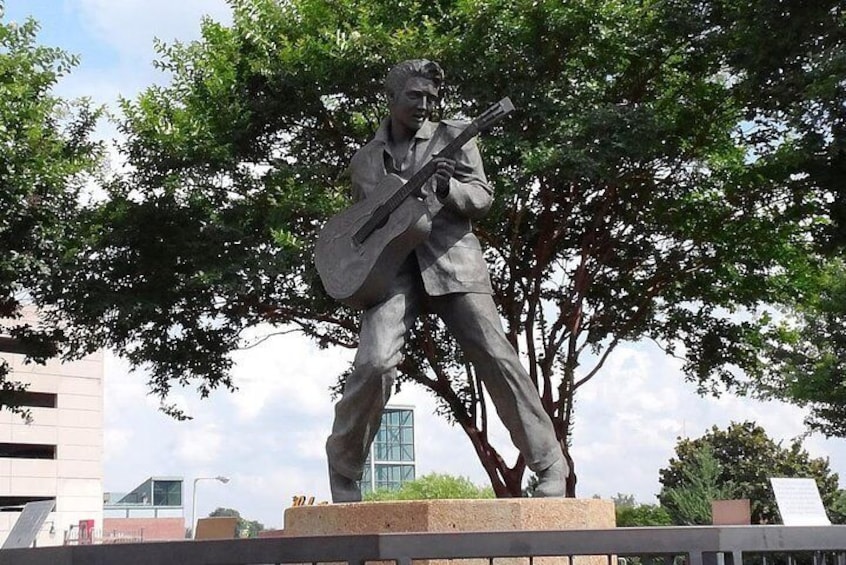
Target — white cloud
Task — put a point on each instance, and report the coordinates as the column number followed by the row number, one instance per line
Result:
column 309, row 443
column 200, row 445
column 116, row 442
column 129, row 26
column 124, row 389
column 289, row 372
column 120, row 37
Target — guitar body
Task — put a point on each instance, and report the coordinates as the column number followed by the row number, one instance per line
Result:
column 360, row 275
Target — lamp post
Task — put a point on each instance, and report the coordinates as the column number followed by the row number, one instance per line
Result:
column 222, row 479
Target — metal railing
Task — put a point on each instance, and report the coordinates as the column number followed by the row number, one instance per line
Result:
column 100, row 536
column 697, row 546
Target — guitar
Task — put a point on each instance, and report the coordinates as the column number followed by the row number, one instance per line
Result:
column 359, row 250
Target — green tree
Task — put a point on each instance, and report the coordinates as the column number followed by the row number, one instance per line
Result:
column 837, row 510
column 631, row 514
column 433, row 486
column 244, row 528
column 744, row 459
column 642, row 515
column 793, row 81
column 46, row 154
column 663, row 175
column 623, row 500
column 808, row 354
column 689, row 502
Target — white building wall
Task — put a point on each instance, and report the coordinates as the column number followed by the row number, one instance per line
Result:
column 75, row 427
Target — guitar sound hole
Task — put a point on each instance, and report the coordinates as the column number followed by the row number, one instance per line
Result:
column 381, row 224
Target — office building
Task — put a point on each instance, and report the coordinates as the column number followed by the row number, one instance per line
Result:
column 391, row 460
column 58, row 454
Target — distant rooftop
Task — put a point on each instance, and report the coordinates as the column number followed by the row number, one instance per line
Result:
column 155, row 491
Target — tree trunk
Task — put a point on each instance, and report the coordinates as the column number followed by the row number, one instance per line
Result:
column 570, row 486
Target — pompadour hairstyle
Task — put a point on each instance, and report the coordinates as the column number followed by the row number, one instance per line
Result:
column 401, row 72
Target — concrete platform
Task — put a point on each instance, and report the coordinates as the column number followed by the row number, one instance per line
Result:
column 483, row 515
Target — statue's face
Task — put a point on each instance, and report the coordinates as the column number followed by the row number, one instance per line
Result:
column 413, row 105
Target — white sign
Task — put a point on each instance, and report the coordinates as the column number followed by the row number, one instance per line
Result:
column 799, row 502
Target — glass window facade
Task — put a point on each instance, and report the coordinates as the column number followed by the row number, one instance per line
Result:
column 142, row 494
column 155, row 497
column 391, row 459
column 167, row 493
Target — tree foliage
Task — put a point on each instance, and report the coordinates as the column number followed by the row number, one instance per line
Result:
column 631, row 514
column 689, row 502
column 808, row 353
column 45, row 156
column 796, row 77
column 669, row 171
column 433, row 486
column 742, row 460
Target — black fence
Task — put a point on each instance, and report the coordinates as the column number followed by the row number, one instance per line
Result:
column 732, row 545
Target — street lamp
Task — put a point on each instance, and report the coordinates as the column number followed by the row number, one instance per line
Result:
column 223, row 480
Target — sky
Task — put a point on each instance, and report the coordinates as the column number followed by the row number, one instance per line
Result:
column 268, row 437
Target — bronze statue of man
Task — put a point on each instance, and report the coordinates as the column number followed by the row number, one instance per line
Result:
column 446, row 275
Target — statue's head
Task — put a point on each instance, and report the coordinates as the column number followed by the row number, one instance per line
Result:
column 400, row 73
column 412, row 88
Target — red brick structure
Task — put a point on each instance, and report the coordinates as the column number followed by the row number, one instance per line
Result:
column 272, row 534
column 147, row 528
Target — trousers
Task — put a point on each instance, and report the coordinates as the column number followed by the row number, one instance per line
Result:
column 473, row 320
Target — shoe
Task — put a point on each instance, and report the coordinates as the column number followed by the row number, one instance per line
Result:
column 344, row 489
column 552, row 480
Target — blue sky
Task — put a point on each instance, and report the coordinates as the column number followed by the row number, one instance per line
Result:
column 268, row 437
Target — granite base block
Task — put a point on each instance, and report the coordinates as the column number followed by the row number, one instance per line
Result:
column 441, row 516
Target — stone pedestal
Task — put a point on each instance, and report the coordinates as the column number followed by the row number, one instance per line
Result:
column 500, row 515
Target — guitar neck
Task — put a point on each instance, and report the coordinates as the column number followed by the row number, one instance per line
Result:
column 420, row 177
column 491, row 115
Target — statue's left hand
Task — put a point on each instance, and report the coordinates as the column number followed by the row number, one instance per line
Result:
column 445, row 171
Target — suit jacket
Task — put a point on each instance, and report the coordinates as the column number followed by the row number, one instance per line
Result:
column 450, row 259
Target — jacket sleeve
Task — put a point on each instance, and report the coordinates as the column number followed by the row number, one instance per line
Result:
column 469, row 192
column 354, row 175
